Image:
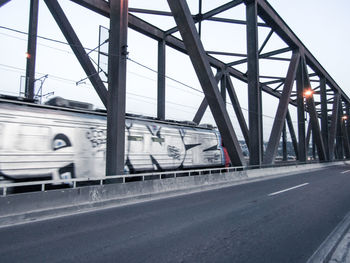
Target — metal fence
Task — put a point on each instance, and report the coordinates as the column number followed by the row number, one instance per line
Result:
column 79, row 182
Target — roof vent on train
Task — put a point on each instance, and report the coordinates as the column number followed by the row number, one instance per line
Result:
column 61, row 102
column 206, row 125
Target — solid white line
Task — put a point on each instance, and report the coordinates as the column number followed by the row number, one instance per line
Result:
column 343, row 172
column 285, row 190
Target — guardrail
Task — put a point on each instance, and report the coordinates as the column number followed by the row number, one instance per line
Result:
column 141, row 177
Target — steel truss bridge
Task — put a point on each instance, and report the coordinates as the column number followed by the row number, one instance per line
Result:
column 326, row 105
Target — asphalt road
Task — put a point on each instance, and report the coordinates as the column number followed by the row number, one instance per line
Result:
column 279, row 220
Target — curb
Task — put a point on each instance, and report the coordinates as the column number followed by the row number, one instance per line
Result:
column 335, row 248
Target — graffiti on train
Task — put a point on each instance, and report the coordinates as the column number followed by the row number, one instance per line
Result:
column 97, row 137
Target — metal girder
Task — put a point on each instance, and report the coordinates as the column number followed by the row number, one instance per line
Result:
column 201, row 65
column 204, row 104
column 284, row 142
column 324, row 116
column 232, row 21
column 137, row 24
column 209, row 14
column 31, row 48
column 316, row 132
column 265, row 41
column 223, row 87
column 308, row 137
column 345, row 131
column 339, row 137
column 238, row 110
column 161, row 81
column 265, row 55
column 301, row 112
column 78, row 49
column 292, row 134
column 3, row 2
column 117, row 56
column 345, row 140
column 282, row 108
column 270, row 16
column 254, row 90
column 334, row 126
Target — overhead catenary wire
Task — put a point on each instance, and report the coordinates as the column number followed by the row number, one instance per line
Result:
column 90, row 50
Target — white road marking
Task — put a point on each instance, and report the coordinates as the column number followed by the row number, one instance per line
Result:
column 285, row 190
column 343, row 172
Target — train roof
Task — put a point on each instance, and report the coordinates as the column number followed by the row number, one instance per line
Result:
column 59, row 103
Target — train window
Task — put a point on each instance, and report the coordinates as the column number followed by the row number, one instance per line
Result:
column 33, row 138
column 135, row 138
column 157, row 139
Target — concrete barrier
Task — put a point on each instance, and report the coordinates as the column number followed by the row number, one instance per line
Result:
column 25, row 207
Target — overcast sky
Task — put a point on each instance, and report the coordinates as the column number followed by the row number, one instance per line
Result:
column 322, row 25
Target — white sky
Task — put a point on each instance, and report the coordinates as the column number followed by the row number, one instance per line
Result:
column 322, row 25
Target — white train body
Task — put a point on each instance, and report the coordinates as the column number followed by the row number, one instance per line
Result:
column 46, row 142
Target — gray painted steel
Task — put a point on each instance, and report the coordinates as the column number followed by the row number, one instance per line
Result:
column 201, row 65
column 78, row 49
column 254, row 89
column 31, row 48
column 116, row 101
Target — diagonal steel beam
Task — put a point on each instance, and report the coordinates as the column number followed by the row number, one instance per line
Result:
column 333, row 126
column 265, row 55
column 324, row 115
column 137, row 24
column 292, row 134
column 205, row 75
column 77, row 48
column 204, row 104
column 316, row 132
column 238, row 110
column 209, row 14
column 3, row 2
column 265, row 41
column 282, row 109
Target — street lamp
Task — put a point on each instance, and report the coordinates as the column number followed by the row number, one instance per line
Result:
column 308, row 93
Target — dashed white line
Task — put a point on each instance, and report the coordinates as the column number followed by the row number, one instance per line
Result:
column 343, row 172
column 288, row 189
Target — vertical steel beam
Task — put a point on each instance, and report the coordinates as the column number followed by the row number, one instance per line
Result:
column 204, row 104
column 196, row 52
column 117, row 56
column 346, row 141
column 334, row 126
column 324, row 115
column 254, row 90
column 292, row 134
column 238, row 110
column 301, row 112
column 78, row 49
column 284, row 142
column 282, row 109
column 161, row 80
column 339, row 139
column 316, row 132
column 31, row 48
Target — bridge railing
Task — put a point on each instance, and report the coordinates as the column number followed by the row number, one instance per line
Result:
column 78, row 182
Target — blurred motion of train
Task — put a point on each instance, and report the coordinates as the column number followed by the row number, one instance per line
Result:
column 67, row 139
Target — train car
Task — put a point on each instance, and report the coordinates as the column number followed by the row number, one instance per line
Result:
column 40, row 142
